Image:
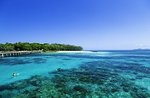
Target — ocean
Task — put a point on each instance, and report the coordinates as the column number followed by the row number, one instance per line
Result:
column 86, row 74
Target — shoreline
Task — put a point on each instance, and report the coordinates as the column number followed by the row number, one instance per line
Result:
column 74, row 51
column 19, row 53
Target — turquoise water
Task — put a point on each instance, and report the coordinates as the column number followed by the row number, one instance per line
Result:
column 98, row 74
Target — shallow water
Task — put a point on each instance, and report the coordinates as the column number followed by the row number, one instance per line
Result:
column 100, row 74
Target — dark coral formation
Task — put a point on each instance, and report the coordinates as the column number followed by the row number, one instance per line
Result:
column 39, row 60
column 14, row 61
column 20, row 61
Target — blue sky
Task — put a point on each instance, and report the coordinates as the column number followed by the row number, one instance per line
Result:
column 93, row 24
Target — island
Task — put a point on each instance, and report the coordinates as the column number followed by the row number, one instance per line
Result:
column 19, row 48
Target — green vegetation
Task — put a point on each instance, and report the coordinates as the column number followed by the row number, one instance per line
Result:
column 37, row 46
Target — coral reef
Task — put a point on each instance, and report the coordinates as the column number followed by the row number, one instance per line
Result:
column 90, row 80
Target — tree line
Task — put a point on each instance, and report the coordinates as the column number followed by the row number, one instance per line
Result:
column 25, row 46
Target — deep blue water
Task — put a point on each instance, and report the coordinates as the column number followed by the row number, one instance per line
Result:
column 98, row 74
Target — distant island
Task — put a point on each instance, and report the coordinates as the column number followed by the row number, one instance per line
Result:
column 140, row 49
column 25, row 46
